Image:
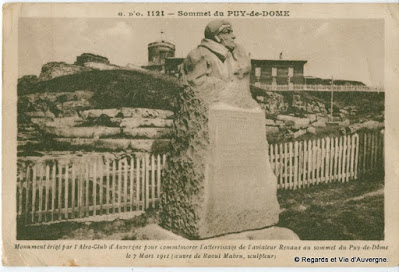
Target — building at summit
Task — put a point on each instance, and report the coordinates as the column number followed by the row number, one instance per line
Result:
column 161, row 58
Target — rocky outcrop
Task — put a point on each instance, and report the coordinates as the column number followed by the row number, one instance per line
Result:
column 57, row 69
column 140, row 145
column 291, row 115
column 299, row 102
column 276, row 103
column 54, row 104
column 95, row 93
column 82, row 132
column 272, row 103
column 144, row 122
column 69, row 120
column 371, row 125
column 101, row 66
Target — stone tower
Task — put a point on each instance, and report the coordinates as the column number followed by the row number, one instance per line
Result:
column 159, row 50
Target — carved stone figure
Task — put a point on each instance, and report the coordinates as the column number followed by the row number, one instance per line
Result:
column 218, row 69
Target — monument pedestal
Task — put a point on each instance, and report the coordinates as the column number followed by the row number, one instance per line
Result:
column 219, row 178
column 240, row 187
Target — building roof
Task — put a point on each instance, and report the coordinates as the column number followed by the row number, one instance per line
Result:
column 163, row 43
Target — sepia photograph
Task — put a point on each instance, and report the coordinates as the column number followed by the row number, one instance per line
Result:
column 210, row 126
column 104, row 108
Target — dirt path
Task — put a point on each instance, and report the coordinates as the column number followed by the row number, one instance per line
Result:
column 356, row 198
column 378, row 192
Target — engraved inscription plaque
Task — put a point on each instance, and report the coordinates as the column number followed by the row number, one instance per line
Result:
column 241, row 187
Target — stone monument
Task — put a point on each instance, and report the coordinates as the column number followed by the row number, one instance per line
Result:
column 218, row 178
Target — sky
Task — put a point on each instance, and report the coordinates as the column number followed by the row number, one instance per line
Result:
column 350, row 49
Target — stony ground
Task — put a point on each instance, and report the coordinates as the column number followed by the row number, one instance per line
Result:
column 336, row 211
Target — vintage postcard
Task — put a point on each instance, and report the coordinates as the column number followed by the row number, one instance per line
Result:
column 200, row 134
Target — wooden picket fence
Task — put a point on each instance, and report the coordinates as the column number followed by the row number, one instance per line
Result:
column 64, row 189
column 303, row 163
column 60, row 189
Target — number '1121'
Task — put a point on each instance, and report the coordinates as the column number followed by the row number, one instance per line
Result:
column 155, row 13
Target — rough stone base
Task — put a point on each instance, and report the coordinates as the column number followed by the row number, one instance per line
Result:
column 272, row 233
column 155, row 232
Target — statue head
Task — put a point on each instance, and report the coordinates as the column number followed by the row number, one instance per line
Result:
column 221, row 32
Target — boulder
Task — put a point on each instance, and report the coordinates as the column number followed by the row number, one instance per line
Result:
column 311, row 130
column 273, row 103
column 113, row 144
column 272, row 130
column 150, row 133
column 26, row 135
column 343, row 111
column 79, row 95
column 297, row 122
column 289, row 123
column 321, row 122
column 260, row 99
column 95, row 113
column 299, row 133
column 58, row 97
column 312, row 117
column 145, row 122
column 345, row 122
column 270, row 122
column 373, row 124
column 83, row 132
column 138, row 144
column 101, row 66
column 279, row 122
column 76, row 141
column 142, row 145
column 69, row 113
column 40, row 114
column 146, row 113
column 321, row 105
column 41, row 122
column 366, row 125
column 78, row 104
column 64, row 122
column 23, row 143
